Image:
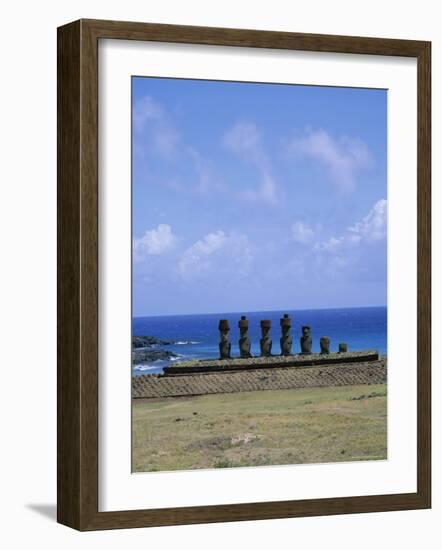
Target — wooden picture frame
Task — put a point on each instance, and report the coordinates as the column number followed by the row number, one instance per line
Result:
column 77, row 461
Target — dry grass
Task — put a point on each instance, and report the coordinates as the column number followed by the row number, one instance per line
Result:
column 260, row 428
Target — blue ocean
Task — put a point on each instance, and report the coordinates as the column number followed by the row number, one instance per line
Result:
column 197, row 336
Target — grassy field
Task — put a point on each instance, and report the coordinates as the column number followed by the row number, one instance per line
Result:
column 260, row 428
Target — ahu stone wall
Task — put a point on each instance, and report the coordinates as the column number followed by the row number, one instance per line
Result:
column 158, row 386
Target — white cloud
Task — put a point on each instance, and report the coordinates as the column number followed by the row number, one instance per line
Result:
column 245, row 141
column 265, row 192
column 373, row 227
column 155, row 241
column 157, row 134
column 302, row 232
column 206, row 180
column 218, row 252
column 330, row 245
column 146, row 109
column 166, row 140
column 343, row 158
column 150, row 117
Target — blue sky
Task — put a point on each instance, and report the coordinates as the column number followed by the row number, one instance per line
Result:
column 255, row 197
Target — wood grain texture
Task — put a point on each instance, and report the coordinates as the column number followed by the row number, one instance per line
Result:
column 68, row 276
column 252, row 38
column 77, row 225
column 424, row 274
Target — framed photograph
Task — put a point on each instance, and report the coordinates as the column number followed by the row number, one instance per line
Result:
column 243, row 274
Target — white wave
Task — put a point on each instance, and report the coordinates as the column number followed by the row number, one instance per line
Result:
column 186, row 343
column 143, row 368
column 158, row 363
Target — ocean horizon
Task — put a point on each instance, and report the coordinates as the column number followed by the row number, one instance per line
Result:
column 196, row 336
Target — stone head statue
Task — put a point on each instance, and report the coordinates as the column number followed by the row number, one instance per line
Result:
column 266, row 341
column 244, row 340
column 224, row 329
column 285, row 323
column 306, row 340
column 286, row 339
column 266, row 325
column 243, row 325
column 224, row 345
column 324, row 342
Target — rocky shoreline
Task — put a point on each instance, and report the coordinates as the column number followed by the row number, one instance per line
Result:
column 145, row 350
column 149, row 341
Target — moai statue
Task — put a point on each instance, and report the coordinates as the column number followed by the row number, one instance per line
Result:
column 343, row 347
column 325, row 344
column 306, row 340
column 266, row 342
column 286, row 337
column 224, row 345
column 244, row 340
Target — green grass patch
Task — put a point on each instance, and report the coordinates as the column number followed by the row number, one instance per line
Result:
column 298, row 426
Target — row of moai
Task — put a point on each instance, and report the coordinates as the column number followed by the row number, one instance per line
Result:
column 265, row 342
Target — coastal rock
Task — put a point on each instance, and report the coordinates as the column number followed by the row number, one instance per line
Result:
column 140, row 356
column 149, row 341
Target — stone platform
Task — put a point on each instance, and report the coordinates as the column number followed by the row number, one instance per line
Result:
column 258, row 379
column 275, row 361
